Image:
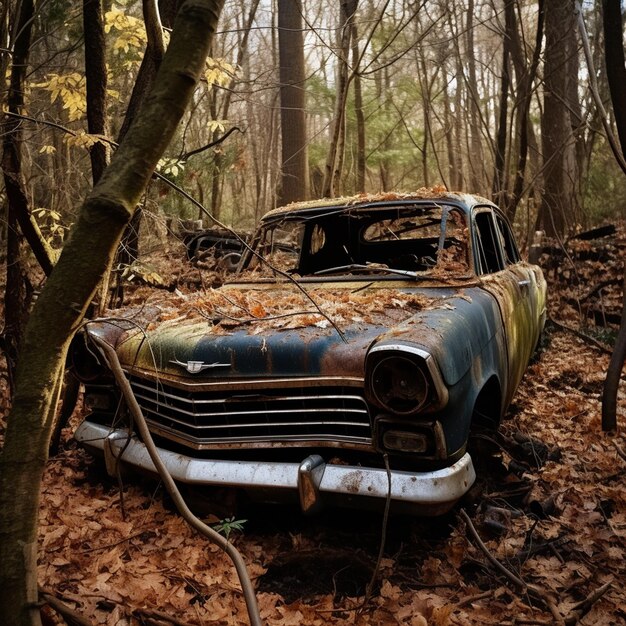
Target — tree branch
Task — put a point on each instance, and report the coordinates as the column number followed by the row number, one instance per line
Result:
column 593, row 85
column 186, row 155
column 516, row 580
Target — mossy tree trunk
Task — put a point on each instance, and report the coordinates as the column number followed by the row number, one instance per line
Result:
column 64, row 299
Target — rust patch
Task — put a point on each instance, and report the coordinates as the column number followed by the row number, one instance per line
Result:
column 352, row 481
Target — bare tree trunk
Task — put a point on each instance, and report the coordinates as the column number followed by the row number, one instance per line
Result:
column 218, row 161
column 476, row 152
column 425, row 85
column 96, row 81
column 616, row 74
column 64, row 299
column 149, row 64
column 217, row 183
column 455, row 174
column 361, row 164
column 556, row 130
column 129, row 248
column 499, row 186
column 17, row 292
column 295, row 166
column 614, row 372
column 461, row 179
column 525, row 82
column 453, row 171
column 384, row 95
column 334, row 158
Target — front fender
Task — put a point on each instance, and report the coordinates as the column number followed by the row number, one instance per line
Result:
column 466, row 333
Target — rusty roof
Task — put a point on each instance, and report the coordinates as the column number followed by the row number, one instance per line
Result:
column 424, row 193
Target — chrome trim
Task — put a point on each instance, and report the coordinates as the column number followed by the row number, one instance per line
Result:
column 262, row 442
column 200, row 421
column 195, row 367
column 433, row 369
column 310, row 473
column 431, row 492
column 233, row 384
column 233, row 399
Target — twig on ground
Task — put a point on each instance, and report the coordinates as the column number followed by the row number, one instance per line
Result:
column 537, row 548
column 584, row 606
column 594, row 342
column 159, row 615
column 473, row 598
column 69, row 615
column 383, row 538
column 619, row 451
column 539, row 593
column 106, row 546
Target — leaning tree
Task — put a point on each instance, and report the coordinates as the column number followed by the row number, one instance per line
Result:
column 63, row 301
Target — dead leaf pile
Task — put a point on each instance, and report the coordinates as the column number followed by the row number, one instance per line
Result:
column 231, row 308
column 586, row 276
column 115, row 570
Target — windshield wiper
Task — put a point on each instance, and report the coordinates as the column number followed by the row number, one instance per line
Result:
column 357, row 267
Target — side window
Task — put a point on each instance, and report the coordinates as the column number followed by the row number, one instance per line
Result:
column 488, row 247
column 511, row 254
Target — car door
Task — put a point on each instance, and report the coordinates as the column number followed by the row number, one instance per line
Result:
column 515, row 287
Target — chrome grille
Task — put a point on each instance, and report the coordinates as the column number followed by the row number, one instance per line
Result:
column 296, row 414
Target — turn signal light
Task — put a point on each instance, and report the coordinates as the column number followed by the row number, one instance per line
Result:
column 405, row 441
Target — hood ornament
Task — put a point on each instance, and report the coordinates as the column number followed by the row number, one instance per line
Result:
column 195, row 367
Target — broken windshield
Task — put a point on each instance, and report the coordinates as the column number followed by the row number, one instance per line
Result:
column 398, row 242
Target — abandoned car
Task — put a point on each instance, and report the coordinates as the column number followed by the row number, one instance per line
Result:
column 221, row 246
column 358, row 345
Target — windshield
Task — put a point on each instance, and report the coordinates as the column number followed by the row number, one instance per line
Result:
column 403, row 241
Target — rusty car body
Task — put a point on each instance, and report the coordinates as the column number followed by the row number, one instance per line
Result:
column 360, row 343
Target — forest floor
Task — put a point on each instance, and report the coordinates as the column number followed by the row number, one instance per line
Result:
column 553, row 514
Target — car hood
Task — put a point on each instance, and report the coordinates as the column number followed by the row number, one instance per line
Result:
column 242, row 332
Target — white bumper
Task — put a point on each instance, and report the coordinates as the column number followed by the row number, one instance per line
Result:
column 431, row 493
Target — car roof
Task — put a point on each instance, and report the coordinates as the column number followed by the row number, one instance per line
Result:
column 462, row 200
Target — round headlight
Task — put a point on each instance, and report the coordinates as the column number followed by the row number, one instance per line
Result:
column 84, row 360
column 399, row 384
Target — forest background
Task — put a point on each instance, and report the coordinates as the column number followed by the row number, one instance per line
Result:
column 487, row 97
column 301, row 100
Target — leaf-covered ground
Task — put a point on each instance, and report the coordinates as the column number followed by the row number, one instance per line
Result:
column 117, row 570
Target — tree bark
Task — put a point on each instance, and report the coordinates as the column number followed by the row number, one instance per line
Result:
column 96, row 82
column 556, row 129
column 499, row 187
column 525, row 82
column 217, row 183
column 295, row 166
column 361, row 164
column 615, row 65
column 65, row 296
column 334, row 158
column 476, row 162
column 17, row 296
column 614, row 372
column 129, row 250
column 616, row 74
column 12, row 134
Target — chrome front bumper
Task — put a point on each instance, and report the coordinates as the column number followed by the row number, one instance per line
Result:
column 428, row 493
